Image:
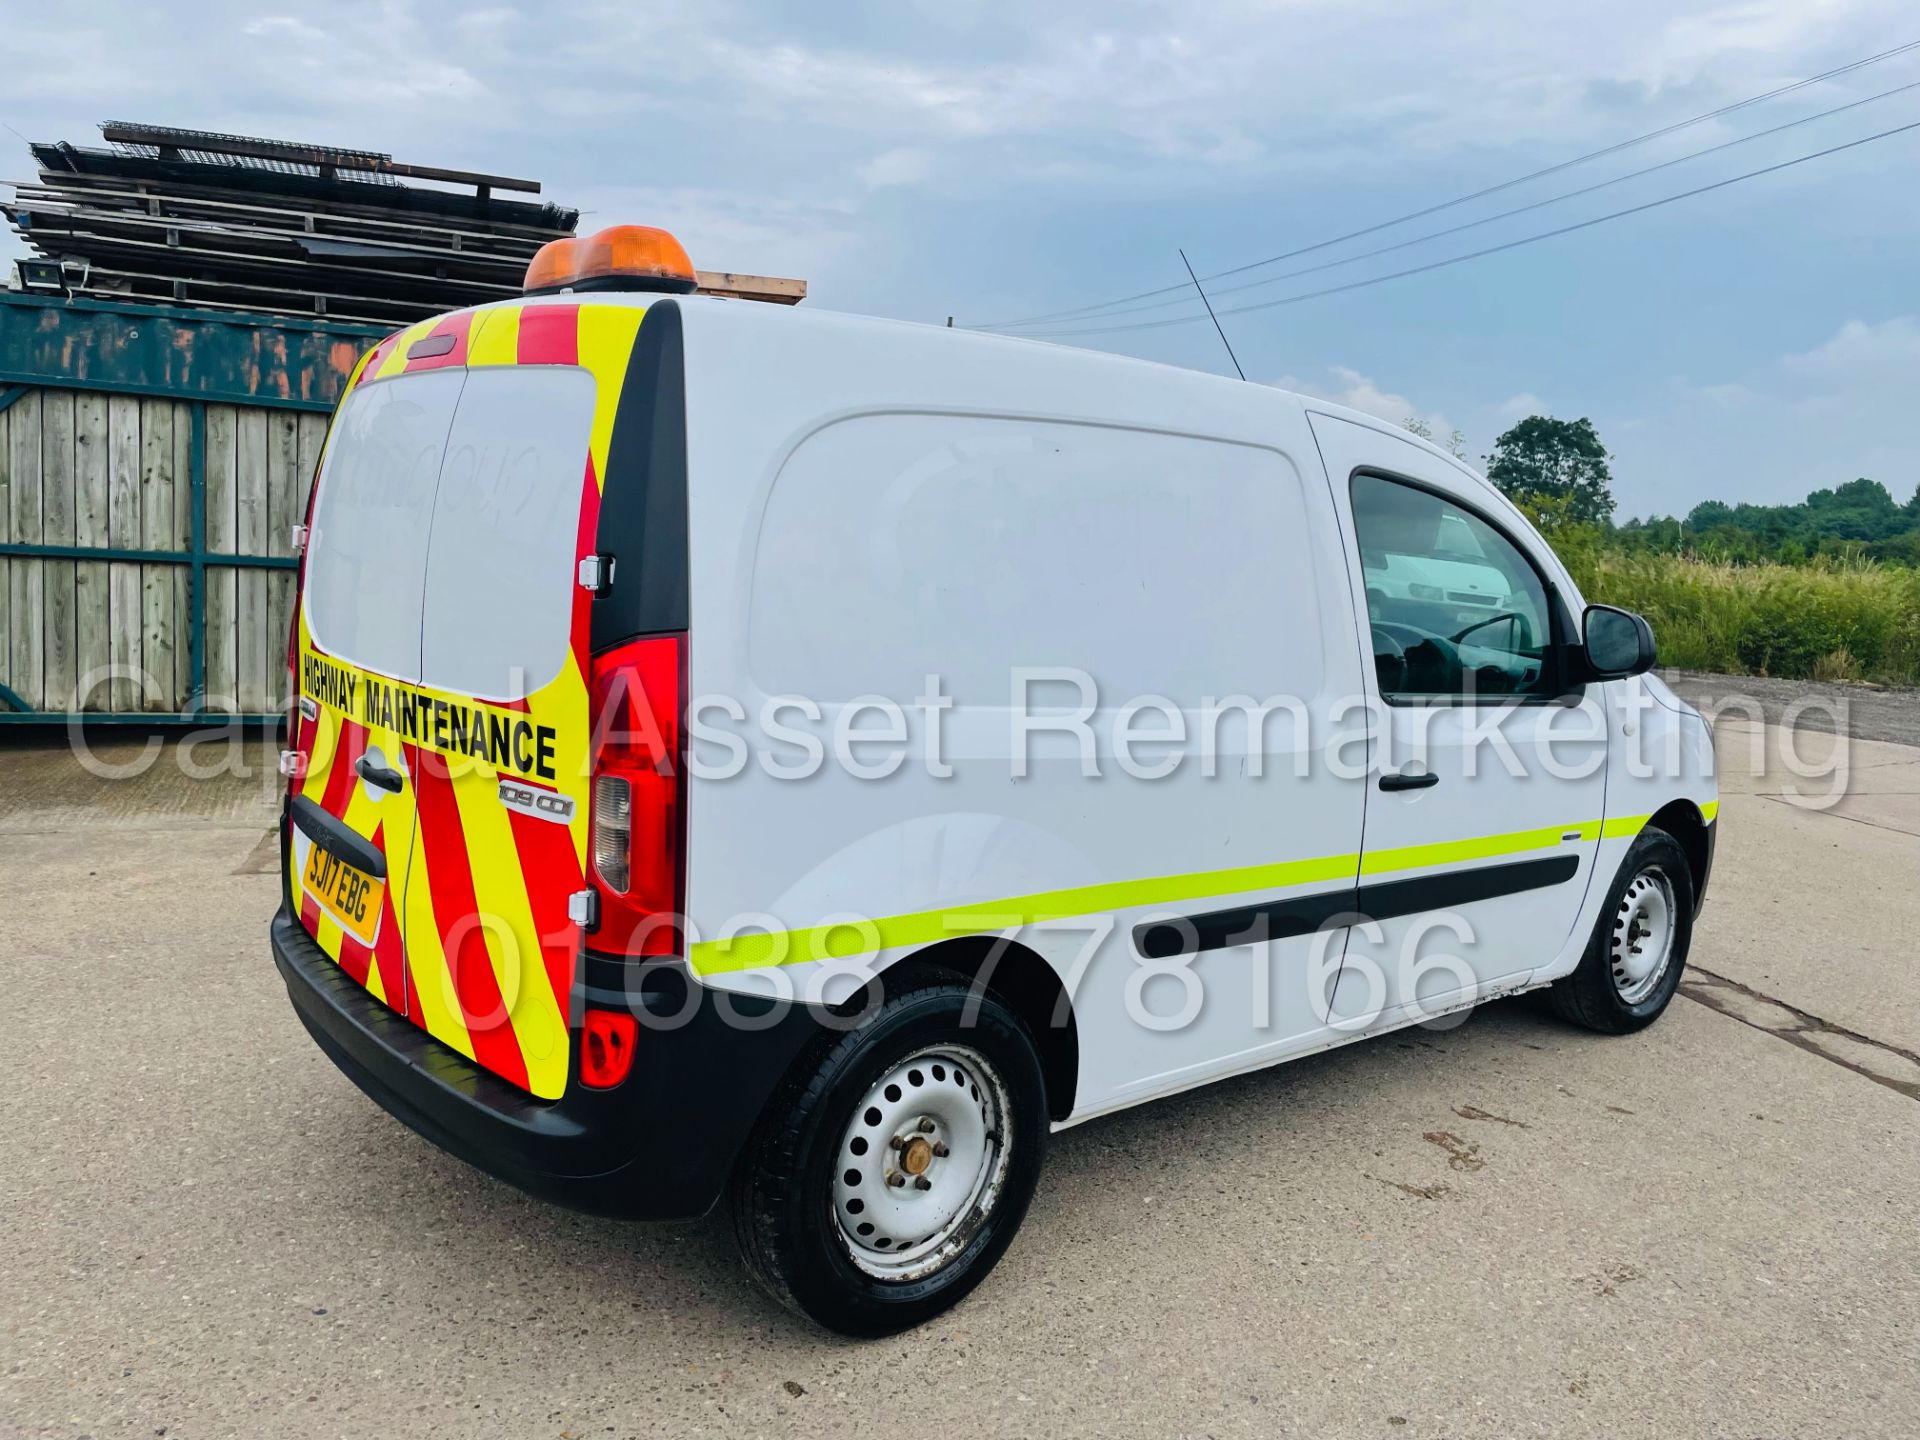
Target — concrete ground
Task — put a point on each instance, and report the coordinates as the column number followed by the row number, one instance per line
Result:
column 1511, row 1228
column 1866, row 712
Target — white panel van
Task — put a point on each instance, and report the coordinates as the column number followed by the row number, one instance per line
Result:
column 758, row 755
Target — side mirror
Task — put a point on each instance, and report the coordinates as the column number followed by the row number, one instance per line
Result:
column 1615, row 643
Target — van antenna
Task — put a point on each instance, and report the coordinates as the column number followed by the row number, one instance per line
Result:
column 1213, row 317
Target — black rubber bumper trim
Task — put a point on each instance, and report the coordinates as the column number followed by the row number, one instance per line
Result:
column 336, row 839
column 658, row 1146
column 1349, row 905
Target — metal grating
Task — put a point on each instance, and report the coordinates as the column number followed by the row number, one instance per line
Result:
column 214, row 147
column 140, row 150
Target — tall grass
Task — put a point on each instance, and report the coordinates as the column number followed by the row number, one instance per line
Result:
column 1827, row 620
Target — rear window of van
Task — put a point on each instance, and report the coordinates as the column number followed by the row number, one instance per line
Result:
column 446, row 526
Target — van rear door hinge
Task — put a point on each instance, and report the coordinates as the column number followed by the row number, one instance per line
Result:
column 583, row 909
column 596, row 574
column 298, row 540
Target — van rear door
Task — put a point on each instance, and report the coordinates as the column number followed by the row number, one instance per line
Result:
column 501, row 754
column 359, row 633
column 487, row 717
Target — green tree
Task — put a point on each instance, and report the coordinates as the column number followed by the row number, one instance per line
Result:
column 1455, row 444
column 1858, row 510
column 1560, row 459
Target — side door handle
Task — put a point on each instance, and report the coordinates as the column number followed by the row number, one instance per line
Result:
column 374, row 773
column 1395, row 780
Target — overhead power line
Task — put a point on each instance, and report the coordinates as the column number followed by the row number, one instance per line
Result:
column 1497, row 249
column 1355, row 259
column 1614, row 149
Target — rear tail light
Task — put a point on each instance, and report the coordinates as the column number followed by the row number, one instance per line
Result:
column 638, row 795
column 613, row 832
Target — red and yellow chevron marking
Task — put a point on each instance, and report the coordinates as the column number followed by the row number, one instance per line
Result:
column 337, row 744
column 475, row 945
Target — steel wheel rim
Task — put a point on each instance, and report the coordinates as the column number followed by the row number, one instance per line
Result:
column 1641, row 947
column 921, row 1163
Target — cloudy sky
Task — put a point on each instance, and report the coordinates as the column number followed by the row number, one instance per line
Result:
column 990, row 161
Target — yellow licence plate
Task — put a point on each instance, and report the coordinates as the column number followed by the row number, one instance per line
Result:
column 349, row 895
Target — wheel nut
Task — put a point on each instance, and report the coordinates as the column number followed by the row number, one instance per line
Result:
column 926, row 1127
column 896, row 1142
column 940, row 1148
column 923, row 1183
column 896, row 1179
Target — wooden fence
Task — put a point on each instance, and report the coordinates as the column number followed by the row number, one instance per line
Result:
column 153, row 464
column 89, row 470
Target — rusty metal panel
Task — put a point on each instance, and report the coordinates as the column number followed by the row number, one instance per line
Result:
column 177, row 352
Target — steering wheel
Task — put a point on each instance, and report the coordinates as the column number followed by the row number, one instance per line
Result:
column 1432, row 664
column 1389, row 660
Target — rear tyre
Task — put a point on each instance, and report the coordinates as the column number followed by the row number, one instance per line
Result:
column 895, row 1162
column 1633, row 964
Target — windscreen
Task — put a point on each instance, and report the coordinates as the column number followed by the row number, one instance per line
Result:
column 446, row 527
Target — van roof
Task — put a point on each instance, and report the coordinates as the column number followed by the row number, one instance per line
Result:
column 787, row 317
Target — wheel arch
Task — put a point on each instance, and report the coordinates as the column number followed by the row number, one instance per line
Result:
column 1682, row 820
column 1031, row 988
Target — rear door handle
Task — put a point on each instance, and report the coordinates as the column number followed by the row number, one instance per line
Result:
column 375, row 773
column 1394, row 780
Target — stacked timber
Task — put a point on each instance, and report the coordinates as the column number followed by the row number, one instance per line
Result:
column 234, row 222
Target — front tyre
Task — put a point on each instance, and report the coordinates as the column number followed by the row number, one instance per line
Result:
column 895, row 1163
column 1633, row 964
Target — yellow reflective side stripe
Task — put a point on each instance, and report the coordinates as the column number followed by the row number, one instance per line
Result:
column 788, row 947
column 1446, row 852
column 1628, row 825
column 1710, row 811
column 861, row 937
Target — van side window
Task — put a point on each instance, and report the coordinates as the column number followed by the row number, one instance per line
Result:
column 1457, row 610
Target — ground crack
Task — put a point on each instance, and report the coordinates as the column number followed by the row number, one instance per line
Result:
column 1708, row 989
